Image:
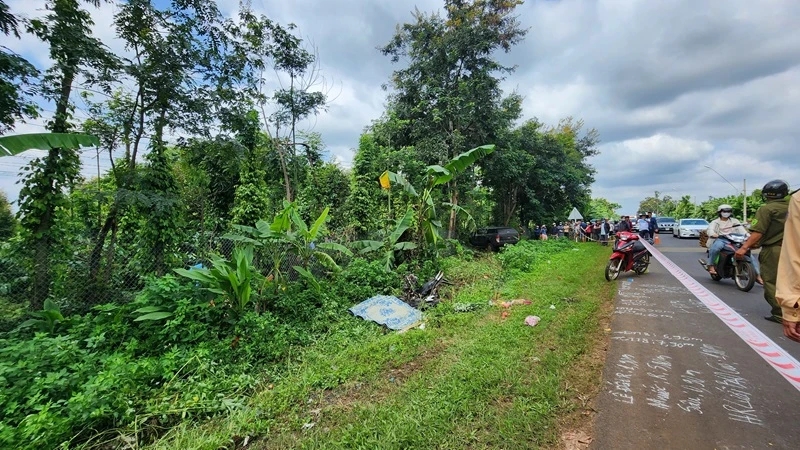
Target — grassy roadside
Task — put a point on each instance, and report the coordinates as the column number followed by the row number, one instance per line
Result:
column 469, row 380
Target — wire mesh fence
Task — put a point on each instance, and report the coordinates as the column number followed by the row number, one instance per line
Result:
column 81, row 277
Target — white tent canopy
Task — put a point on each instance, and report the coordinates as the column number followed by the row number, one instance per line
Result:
column 575, row 215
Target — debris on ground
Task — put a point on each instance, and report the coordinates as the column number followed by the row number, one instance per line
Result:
column 465, row 307
column 510, row 303
column 388, row 310
column 576, row 440
column 532, row 320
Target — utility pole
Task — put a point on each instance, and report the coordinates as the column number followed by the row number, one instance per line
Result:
column 744, row 200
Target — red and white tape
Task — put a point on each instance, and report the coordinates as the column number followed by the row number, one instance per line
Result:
column 777, row 357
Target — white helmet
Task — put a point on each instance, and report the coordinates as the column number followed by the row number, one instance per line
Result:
column 724, row 206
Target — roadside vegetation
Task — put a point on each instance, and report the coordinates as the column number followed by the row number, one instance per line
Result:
column 195, row 294
column 470, row 379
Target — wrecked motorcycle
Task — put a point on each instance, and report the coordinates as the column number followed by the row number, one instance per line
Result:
column 426, row 295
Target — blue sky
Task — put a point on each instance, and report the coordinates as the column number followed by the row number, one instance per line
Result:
column 670, row 86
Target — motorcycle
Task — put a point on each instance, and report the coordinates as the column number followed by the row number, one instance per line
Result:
column 727, row 266
column 629, row 254
column 426, row 295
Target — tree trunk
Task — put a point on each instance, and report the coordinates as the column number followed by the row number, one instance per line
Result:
column 285, row 170
column 43, row 245
column 452, row 225
column 97, row 252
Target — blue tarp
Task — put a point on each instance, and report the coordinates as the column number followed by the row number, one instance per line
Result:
column 388, row 310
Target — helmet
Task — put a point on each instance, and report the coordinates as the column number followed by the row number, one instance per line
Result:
column 724, row 207
column 775, row 189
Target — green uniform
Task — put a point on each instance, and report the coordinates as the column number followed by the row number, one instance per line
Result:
column 769, row 221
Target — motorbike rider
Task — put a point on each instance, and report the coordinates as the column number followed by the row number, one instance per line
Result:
column 723, row 224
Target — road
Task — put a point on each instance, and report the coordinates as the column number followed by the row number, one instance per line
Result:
column 677, row 376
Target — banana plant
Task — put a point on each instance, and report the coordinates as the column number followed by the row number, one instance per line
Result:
column 390, row 244
column 429, row 227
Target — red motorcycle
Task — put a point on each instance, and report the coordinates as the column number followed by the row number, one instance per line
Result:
column 629, row 254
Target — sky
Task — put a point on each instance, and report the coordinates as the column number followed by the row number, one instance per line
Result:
column 671, row 87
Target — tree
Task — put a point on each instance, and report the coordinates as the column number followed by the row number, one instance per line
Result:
column 66, row 29
column 449, row 94
column 16, row 78
column 541, row 174
column 8, row 223
column 600, row 208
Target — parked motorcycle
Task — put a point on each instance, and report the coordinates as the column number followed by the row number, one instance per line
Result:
column 727, row 266
column 629, row 254
column 426, row 295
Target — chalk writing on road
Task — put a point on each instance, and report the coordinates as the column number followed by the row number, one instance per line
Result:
column 645, row 312
column 736, row 389
column 718, row 380
column 620, row 388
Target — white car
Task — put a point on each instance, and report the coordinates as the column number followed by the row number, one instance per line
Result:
column 689, row 228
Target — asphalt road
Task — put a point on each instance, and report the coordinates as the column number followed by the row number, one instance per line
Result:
column 677, row 377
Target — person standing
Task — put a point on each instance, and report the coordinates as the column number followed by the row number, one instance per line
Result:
column 624, row 224
column 787, row 287
column 767, row 228
column 653, row 225
column 605, row 230
column 644, row 227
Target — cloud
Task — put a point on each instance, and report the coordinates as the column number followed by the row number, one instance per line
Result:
column 670, row 86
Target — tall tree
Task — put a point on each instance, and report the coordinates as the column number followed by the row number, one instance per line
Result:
column 16, row 78
column 541, row 174
column 75, row 52
column 450, row 91
column 600, row 207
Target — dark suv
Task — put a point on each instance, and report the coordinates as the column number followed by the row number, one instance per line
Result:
column 666, row 223
column 492, row 238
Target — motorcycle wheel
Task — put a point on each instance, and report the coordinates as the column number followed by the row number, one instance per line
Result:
column 716, row 277
column 612, row 269
column 642, row 265
column 744, row 276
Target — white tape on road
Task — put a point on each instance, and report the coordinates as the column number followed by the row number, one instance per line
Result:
column 777, row 357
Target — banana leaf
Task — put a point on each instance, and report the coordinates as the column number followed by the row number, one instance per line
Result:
column 19, row 143
column 458, row 164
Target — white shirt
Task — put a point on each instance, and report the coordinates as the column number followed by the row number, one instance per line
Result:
column 644, row 224
column 719, row 226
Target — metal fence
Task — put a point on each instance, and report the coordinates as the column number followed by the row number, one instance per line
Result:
column 121, row 273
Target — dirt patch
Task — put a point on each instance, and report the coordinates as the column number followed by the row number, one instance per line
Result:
column 576, row 430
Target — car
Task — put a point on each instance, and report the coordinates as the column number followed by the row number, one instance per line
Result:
column 492, row 238
column 665, row 223
column 689, row 228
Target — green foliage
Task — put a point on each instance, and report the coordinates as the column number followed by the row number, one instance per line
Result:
column 46, row 319
column 16, row 78
column 601, row 208
column 251, row 201
column 527, row 254
column 232, row 279
column 391, row 244
column 8, row 223
column 538, row 175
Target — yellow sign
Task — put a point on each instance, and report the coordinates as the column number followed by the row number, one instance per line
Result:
column 384, row 179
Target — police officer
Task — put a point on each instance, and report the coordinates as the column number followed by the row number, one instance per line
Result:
column 767, row 227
